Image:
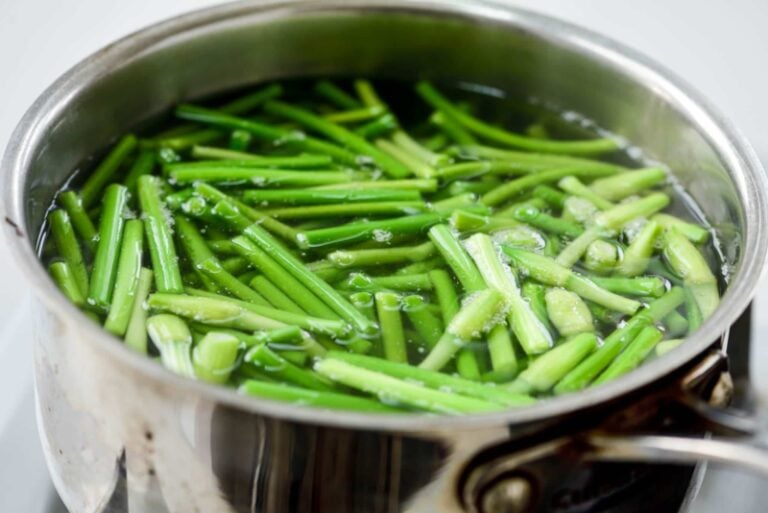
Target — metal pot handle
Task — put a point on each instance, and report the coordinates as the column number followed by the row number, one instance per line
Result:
column 503, row 484
column 735, row 441
column 678, row 449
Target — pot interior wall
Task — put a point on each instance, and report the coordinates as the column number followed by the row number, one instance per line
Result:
column 515, row 55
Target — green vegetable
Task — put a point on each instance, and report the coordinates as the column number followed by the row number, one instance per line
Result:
column 535, row 295
column 376, row 257
column 693, row 232
column 73, row 205
column 686, row 260
column 274, row 295
column 615, row 188
column 638, row 254
column 530, row 332
column 91, row 190
column 601, row 257
column 611, row 220
column 143, row 165
column 590, row 368
column 266, row 132
column 339, row 134
column 226, row 157
column 666, row 346
column 298, row 270
column 642, row 286
column 402, row 282
column 354, row 115
column 111, row 227
column 312, row 324
column 136, row 333
column 568, row 312
column 128, row 278
column 173, row 339
column 284, row 280
column 633, row 355
column 205, row 262
column 472, row 320
column 69, row 249
column 262, row 197
column 349, row 210
column 277, row 367
column 436, row 100
column 214, row 357
column 366, row 230
column 521, row 185
column 165, row 263
column 258, row 177
column 553, row 197
column 546, row 370
column 427, row 324
column 336, row 95
column 388, row 313
column 215, row 312
column 314, row 398
column 432, row 379
column 65, row 280
column 390, row 390
column 545, row 222
column 549, row 272
column 341, row 252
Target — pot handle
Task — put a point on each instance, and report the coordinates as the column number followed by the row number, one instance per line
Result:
column 508, row 487
column 678, row 449
column 737, row 438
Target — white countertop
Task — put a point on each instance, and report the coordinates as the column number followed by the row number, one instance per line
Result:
column 720, row 47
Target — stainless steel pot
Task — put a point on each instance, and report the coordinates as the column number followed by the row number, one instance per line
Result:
column 110, row 418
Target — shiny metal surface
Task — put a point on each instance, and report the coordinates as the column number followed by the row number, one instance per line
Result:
column 187, row 445
column 679, row 450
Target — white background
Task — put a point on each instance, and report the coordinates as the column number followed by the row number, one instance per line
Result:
column 718, row 46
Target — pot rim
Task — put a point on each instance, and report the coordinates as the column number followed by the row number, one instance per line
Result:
column 736, row 153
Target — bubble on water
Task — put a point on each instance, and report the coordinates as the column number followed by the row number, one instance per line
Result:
column 275, row 367
column 570, row 116
column 388, row 399
column 359, row 280
column 290, row 137
column 634, row 152
column 342, row 258
column 468, row 298
column 380, row 235
column 629, row 199
column 632, row 229
column 364, row 160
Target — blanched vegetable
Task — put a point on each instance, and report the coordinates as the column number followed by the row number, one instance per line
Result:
column 360, row 246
